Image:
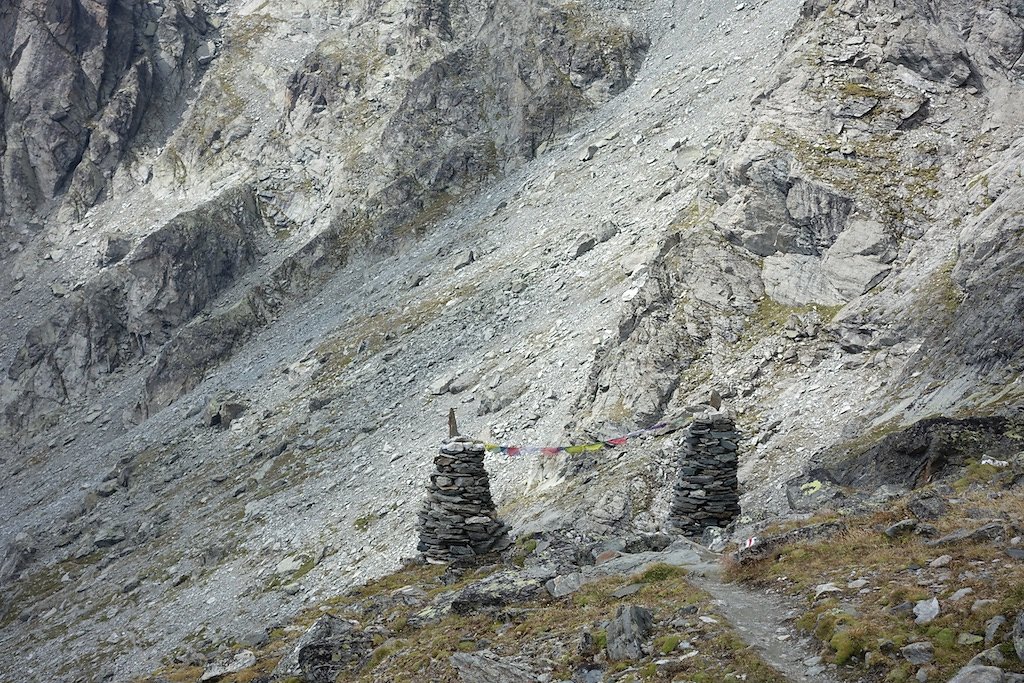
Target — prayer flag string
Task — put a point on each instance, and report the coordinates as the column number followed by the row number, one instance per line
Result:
column 579, row 449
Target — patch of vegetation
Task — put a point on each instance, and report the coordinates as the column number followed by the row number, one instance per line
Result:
column 366, row 336
column 770, row 317
column 939, row 294
column 667, row 644
column 862, row 90
column 364, row 522
column 661, row 572
column 862, row 631
column 408, row 648
column 524, row 547
column 874, row 171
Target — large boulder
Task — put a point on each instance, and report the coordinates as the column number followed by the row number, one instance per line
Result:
column 486, row 667
column 330, row 647
column 503, row 588
column 627, row 632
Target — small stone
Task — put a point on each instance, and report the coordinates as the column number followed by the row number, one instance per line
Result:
column 107, row 488
column 980, row 605
column 254, row 639
column 288, row 565
column 990, row 657
column 204, row 55
column 940, row 561
column 824, row 588
column 582, row 246
column 108, row 536
column 626, row 590
column 918, row 653
column 969, row 639
column 961, row 594
column 858, row 584
column 926, row 611
column 223, row 667
column 983, row 533
column 627, row 632
column 561, row 586
column 978, row 674
column 464, row 259
column 992, row 628
column 904, row 526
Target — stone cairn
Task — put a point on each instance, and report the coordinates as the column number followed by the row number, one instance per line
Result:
column 458, row 519
column 707, row 491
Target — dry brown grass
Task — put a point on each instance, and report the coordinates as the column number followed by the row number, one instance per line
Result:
column 851, row 624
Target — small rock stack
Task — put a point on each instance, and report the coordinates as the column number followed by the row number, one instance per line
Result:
column 707, row 492
column 458, row 519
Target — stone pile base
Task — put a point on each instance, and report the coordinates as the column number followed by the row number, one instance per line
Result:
column 458, row 518
column 707, row 491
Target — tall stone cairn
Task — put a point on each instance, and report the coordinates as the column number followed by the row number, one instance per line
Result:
column 458, row 518
column 707, row 491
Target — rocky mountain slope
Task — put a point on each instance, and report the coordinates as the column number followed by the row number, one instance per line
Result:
column 254, row 252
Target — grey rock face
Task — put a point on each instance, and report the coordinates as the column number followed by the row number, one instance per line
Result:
column 128, row 311
column 658, row 338
column 928, row 448
column 627, row 632
column 83, row 79
column 474, row 110
column 17, row 555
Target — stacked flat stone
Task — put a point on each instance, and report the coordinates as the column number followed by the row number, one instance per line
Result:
column 707, row 491
column 458, row 518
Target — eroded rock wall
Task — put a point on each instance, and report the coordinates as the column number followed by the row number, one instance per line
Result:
column 79, row 78
column 128, row 311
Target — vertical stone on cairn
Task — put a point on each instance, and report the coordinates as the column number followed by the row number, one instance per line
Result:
column 458, row 518
column 707, row 491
